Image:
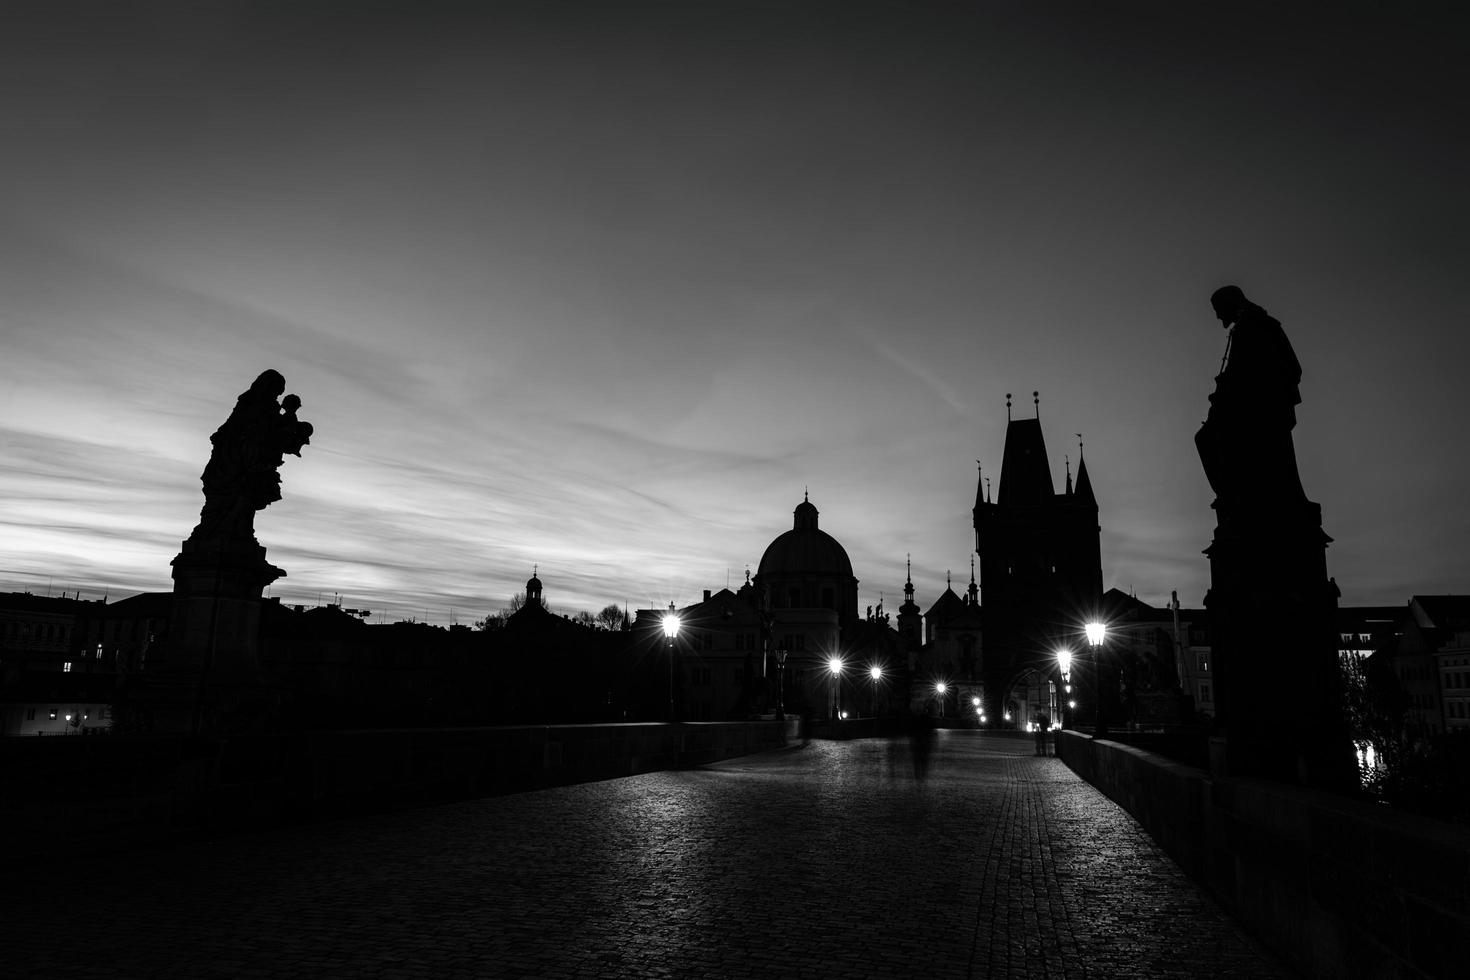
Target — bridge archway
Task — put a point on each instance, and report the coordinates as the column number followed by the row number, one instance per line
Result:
column 1029, row 690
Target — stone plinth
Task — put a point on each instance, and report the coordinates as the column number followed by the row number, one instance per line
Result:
column 1278, row 689
column 206, row 677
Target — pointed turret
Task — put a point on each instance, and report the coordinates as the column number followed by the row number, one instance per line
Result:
column 972, row 594
column 910, row 620
column 1084, row 485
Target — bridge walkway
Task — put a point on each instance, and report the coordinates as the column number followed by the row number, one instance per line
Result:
column 970, row 857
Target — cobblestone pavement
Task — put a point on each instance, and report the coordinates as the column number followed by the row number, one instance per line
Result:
column 837, row 859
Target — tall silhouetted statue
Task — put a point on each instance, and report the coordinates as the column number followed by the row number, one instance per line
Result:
column 1272, row 607
column 249, row 447
column 207, row 675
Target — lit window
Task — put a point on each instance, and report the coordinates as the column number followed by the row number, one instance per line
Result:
column 53, row 714
column 66, row 667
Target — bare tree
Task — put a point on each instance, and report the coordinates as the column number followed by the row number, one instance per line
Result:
column 610, row 617
column 496, row 620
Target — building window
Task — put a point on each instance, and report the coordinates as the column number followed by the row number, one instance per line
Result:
column 1204, row 693
column 1202, row 659
column 30, row 714
column 66, row 666
column 53, row 714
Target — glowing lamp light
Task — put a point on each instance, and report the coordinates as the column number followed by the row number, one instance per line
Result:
column 1071, row 704
column 875, row 673
column 1008, row 716
column 941, row 687
column 1096, row 633
column 835, row 665
column 1064, row 661
column 671, row 625
column 975, row 702
column 842, row 715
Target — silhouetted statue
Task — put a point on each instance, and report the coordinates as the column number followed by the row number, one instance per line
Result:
column 1272, row 607
column 249, row 447
column 1245, row 443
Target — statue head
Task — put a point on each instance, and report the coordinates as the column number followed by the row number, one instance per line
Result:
column 1229, row 302
column 290, row 403
column 270, row 383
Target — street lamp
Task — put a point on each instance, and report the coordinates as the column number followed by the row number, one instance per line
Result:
column 1097, row 634
column 939, row 688
column 671, row 630
column 876, row 673
column 781, row 684
column 834, row 665
column 1064, row 665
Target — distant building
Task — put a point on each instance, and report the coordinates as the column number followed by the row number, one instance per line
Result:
column 1431, row 626
column 806, row 587
column 1195, row 657
column 1040, row 565
column 718, row 669
column 1453, row 661
column 54, row 679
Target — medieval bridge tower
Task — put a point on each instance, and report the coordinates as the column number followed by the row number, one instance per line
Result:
column 1040, row 563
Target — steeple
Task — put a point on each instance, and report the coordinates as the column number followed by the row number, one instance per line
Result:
column 979, row 484
column 1066, row 460
column 533, row 587
column 972, row 594
column 910, row 620
column 1084, row 483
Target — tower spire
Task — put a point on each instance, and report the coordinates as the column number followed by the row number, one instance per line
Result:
column 973, row 592
column 1008, row 406
column 1084, row 482
column 1067, row 461
column 1036, row 400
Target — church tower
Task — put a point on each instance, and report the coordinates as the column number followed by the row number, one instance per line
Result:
column 910, row 620
column 1040, row 561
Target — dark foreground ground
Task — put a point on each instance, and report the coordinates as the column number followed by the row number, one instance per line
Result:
column 973, row 858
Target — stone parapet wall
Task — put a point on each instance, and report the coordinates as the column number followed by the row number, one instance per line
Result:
column 1339, row 887
column 66, row 797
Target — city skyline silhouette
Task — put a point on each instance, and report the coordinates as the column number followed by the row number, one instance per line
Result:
column 606, row 293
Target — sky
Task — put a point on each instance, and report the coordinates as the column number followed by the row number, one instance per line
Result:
column 602, row 289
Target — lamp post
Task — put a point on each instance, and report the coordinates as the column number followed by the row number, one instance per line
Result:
column 671, row 630
column 834, row 666
column 1064, row 665
column 1097, row 634
column 876, row 673
column 781, row 684
column 939, row 688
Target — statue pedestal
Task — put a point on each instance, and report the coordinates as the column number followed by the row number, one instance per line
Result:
column 206, row 677
column 1278, row 689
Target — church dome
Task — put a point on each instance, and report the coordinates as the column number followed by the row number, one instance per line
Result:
column 805, row 550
